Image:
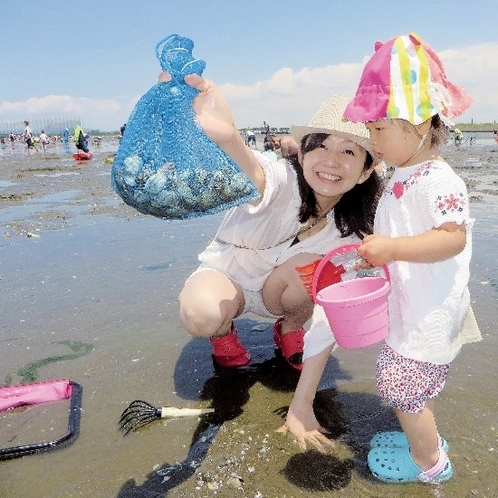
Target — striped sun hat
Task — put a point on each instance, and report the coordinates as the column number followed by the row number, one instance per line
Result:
column 405, row 79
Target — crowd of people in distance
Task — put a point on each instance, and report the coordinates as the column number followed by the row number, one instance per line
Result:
column 34, row 143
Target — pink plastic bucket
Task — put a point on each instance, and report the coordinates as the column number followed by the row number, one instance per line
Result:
column 356, row 309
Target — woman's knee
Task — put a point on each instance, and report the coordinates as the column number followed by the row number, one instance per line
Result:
column 199, row 322
column 285, row 290
column 208, row 304
column 199, row 316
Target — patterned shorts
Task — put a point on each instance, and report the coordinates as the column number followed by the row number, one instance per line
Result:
column 407, row 384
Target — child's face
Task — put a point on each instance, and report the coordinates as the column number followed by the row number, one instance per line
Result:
column 394, row 141
column 335, row 167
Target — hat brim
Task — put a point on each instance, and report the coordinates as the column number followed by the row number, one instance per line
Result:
column 298, row 132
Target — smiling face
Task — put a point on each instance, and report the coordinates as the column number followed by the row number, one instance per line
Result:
column 334, row 168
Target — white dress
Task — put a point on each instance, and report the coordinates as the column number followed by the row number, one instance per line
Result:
column 266, row 231
column 428, row 303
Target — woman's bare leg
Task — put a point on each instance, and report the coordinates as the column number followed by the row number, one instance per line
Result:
column 209, row 302
column 284, row 293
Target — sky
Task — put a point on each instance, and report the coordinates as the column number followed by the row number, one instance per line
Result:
column 274, row 60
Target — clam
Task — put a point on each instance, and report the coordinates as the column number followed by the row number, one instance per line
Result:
column 207, row 200
column 166, row 199
column 187, row 196
column 156, row 182
column 132, row 165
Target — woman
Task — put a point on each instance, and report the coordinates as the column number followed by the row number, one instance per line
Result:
column 323, row 196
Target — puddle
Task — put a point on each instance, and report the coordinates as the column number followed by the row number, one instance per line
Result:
column 57, row 201
column 56, row 175
column 6, row 183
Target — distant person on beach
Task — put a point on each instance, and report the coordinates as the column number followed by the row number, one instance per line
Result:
column 308, row 204
column 284, row 143
column 81, row 139
column 121, row 131
column 250, row 139
column 422, row 232
column 12, row 139
column 44, row 140
column 65, row 140
column 28, row 137
column 266, row 129
column 268, row 144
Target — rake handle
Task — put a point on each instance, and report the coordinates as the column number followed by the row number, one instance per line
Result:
column 172, row 411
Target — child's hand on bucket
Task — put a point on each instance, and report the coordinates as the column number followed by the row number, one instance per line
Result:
column 377, row 249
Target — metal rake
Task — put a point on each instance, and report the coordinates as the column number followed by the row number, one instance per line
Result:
column 140, row 413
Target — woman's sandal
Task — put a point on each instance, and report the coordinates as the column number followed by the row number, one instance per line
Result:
column 396, row 465
column 290, row 344
column 228, row 351
column 398, row 439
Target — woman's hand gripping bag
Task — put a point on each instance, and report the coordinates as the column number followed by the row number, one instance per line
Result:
column 166, row 166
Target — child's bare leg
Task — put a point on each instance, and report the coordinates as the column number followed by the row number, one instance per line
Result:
column 421, row 431
column 411, row 387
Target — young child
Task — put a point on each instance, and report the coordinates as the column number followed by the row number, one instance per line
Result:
column 44, row 140
column 422, row 231
column 324, row 197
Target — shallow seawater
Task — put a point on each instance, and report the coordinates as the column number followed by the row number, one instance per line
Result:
column 97, row 302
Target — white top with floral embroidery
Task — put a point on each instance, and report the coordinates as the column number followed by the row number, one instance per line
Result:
column 428, row 302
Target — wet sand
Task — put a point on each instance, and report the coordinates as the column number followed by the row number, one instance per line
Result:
column 89, row 292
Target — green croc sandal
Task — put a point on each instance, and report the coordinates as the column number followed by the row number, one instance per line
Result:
column 395, row 465
column 398, row 439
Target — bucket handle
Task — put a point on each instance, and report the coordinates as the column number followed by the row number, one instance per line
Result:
column 334, row 252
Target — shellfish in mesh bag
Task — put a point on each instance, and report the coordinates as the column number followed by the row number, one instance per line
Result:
column 166, row 166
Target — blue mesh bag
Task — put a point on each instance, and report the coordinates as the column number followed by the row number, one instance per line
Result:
column 166, row 166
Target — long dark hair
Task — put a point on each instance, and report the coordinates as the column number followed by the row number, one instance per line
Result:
column 355, row 211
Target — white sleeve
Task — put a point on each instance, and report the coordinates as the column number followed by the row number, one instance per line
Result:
column 319, row 335
column 280, row 185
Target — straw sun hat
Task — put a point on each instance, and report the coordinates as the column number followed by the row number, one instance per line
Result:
column 329, row 119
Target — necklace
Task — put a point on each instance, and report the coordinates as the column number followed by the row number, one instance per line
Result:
column 292, row 237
